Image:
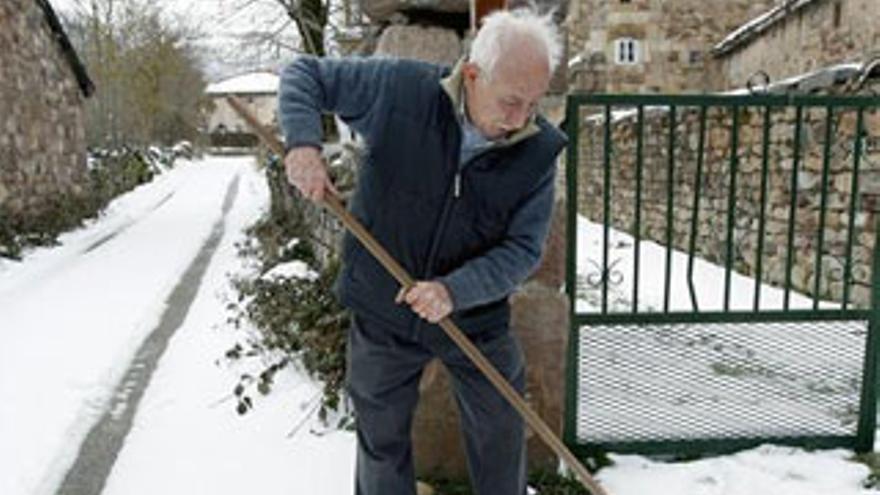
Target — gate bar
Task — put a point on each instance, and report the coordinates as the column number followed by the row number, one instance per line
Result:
column 670, row 185
column 698, row 187
column 640, row 162
column 789, row 257
column 823, row 203
column 854, row 188
column 731, row 204
column 759, row 262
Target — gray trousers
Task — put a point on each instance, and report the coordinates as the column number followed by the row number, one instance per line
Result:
column 384, row 368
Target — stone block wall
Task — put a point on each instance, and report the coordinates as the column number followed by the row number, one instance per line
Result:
column 712, row 209
column 823, row 33
column 42, row 136
column 429, row 44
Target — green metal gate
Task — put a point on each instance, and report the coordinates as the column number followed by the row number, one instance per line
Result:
column 725, row 293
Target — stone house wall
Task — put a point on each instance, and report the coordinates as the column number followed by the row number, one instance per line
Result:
column 42, row 136
column 822, row 33
column 674, row 41
column 713, row 206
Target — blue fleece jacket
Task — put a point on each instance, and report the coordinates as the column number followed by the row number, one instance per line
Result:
column 477, row 227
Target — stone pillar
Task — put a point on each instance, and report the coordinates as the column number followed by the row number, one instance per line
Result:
column 430, row 44
column 540, row 322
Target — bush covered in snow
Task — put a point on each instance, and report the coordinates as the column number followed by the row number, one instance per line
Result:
column 293, row 307
column 110, row 173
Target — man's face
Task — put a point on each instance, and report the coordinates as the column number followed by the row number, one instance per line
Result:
column 505, row 102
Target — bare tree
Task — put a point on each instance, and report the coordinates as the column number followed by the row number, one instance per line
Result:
column 318, row 23
column 149, row 86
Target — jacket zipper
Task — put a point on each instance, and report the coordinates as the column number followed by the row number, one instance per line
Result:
column 449, row 202
column 454, row 193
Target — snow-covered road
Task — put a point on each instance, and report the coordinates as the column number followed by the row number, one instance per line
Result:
column 72, row 319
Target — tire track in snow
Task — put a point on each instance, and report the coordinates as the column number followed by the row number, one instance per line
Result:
column 127, row 225
column 99, row 450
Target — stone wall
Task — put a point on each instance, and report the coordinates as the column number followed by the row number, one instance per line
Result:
column 712, row 210
column 824, row 32
column 674, row 39
column 42, row 137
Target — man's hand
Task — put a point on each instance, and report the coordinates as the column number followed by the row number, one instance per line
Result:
column 306, row 171
column 431, row 300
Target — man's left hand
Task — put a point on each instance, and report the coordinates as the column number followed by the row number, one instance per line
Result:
column 431, row 300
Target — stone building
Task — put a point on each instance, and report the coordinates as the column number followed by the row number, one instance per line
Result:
column 800, row 36
column 658, row 46
column 258, row 91
column 651, row 46
column 43, row 85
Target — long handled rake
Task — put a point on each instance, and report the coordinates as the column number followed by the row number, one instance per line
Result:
column 504, row 388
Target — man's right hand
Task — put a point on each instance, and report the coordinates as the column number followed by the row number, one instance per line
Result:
column 306, row 171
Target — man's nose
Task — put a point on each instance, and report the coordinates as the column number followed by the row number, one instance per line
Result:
column 516, row 118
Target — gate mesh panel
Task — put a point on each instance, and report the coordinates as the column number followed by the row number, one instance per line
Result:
column 733, row 380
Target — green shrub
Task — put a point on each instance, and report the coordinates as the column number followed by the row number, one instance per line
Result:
column 110, row 176
column 299, row 319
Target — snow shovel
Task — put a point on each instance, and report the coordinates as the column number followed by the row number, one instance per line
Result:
column 504, row 388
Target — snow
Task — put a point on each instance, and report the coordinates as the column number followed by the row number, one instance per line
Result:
column 708, row 278
column 292, row 269
column 72, row 316
column 767, row 470
column 759, row 24
column 253, row 83
column 58, row 367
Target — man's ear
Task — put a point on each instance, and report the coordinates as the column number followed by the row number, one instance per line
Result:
column 470, row 71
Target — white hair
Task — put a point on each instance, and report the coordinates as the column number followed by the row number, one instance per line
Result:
column 502, row 28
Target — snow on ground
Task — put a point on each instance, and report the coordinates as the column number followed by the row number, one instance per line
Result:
column 72, row 316
column 708, row 278
column 187, row 437
column 70, row 328
column 767, row 470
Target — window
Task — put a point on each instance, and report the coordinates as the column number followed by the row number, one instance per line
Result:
column 838, row 11
column 626, row 51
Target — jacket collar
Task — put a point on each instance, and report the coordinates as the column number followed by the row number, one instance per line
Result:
column 452, row 85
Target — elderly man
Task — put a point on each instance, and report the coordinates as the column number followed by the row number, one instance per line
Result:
column 457, row 184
